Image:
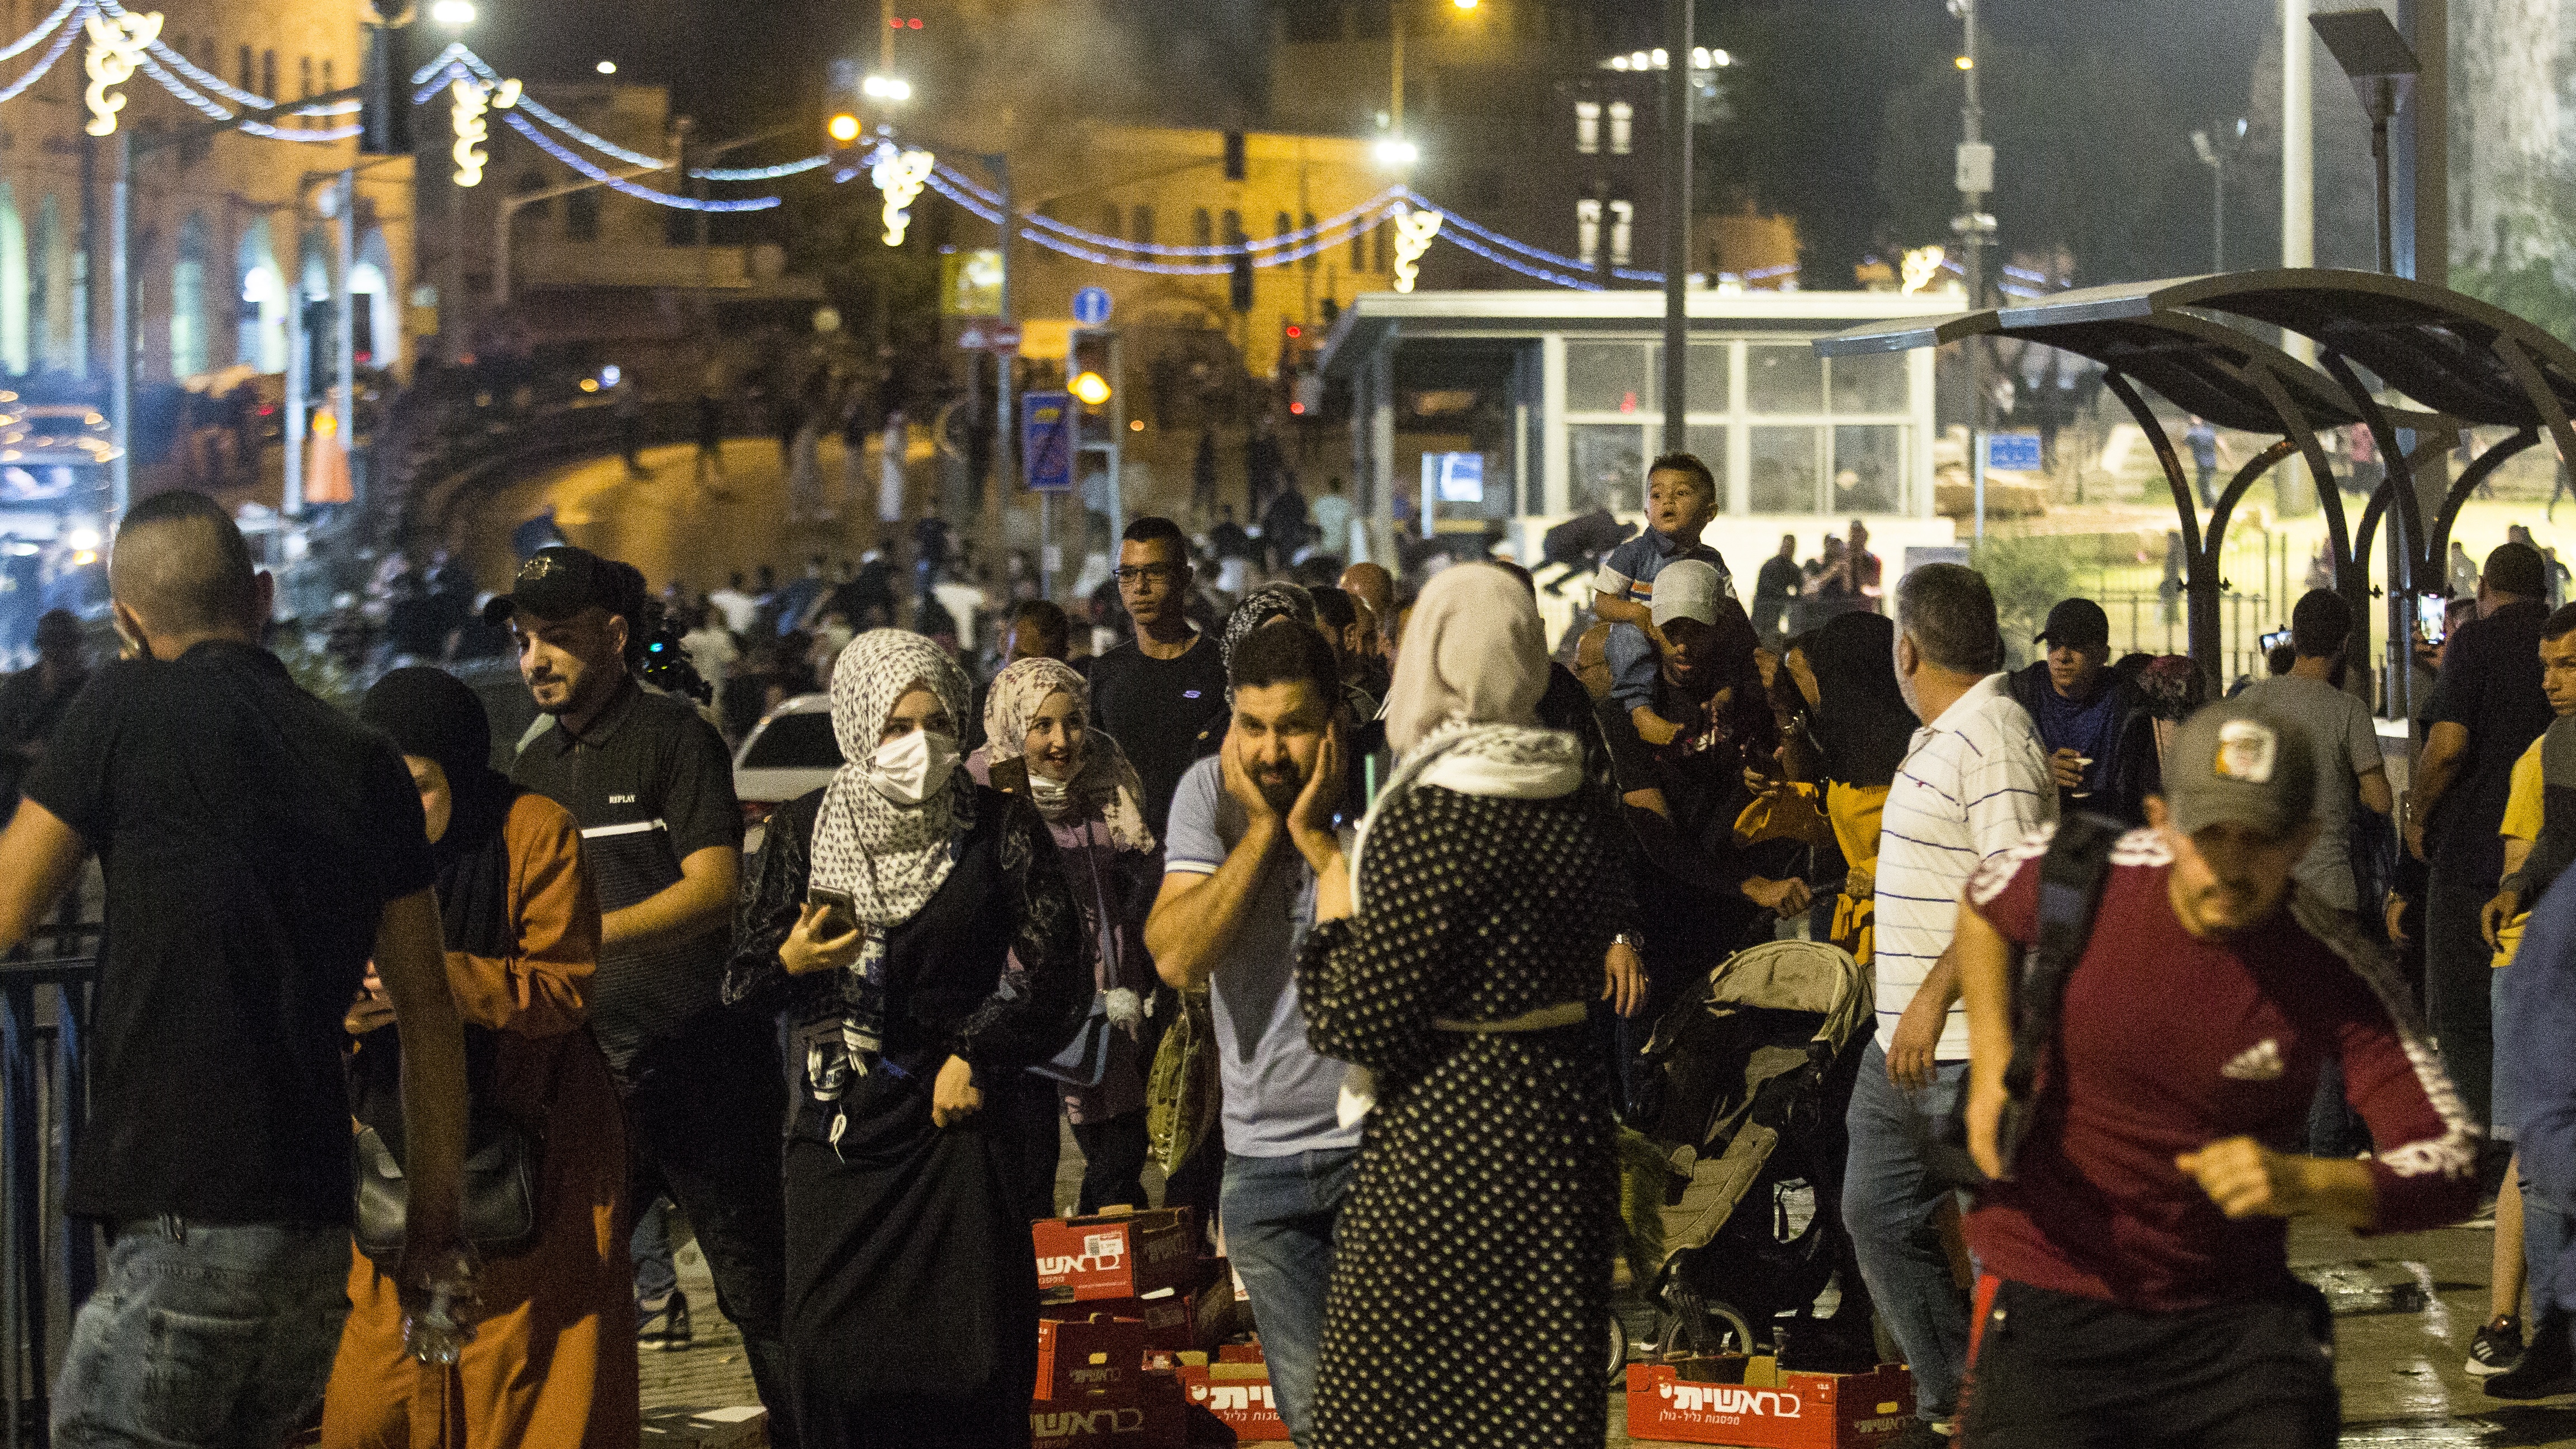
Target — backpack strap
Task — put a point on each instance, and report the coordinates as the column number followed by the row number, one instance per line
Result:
column 2071, row 876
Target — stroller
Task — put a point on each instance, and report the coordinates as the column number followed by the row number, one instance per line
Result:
column 1733, row 1172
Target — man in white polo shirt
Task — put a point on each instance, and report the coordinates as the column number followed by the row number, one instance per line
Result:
column 1974, row 784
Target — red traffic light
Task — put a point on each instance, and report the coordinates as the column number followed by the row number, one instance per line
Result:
column 1296, row 409
column 1296, row 331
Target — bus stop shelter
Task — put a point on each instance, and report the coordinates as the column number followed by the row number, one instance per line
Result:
column 2412, row 363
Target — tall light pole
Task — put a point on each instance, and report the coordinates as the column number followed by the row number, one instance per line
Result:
column 2215, row 155
column 1677, row 221
column 454, row 15
column 1976, row 230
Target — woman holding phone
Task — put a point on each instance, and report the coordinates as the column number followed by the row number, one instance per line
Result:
column 917, row 932
column 1038, row 745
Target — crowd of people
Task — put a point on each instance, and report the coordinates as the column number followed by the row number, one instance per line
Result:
column 1428, row 891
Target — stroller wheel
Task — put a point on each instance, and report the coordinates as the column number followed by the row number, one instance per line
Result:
column 1702, row 1327
column 1618, row 1351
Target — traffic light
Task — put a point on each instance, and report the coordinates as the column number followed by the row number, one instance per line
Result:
column 843, row 128
column 1234, row 155
column 1240, row 283
column 384, row 112
column 1091, row 375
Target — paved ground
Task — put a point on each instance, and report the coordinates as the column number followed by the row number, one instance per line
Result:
column 2405, row 1308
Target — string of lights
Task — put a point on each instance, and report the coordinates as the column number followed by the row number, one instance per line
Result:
column 18, row 87
column 1374, row 207
column 215, row 111
column 943, row 181
column 36, row 37
column 778, row 172
column 615, row 182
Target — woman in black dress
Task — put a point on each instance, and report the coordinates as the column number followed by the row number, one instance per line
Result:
column 1470, row 1289
column 912, row 1296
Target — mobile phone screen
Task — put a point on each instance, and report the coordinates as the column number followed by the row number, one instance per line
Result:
column 840, row 913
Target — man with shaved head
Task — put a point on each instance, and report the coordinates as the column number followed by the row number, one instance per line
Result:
column 260, row 850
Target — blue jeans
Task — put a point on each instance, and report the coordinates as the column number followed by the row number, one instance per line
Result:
column 1889, row 1198
column 656, row 1276
column 1278, row 1214
column 221, row 1336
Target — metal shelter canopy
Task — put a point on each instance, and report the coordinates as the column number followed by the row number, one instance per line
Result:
column 2470, row 362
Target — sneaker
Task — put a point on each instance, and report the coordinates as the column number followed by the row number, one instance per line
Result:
column 2548, row 1367
column 666, row 1327
column 2497, row 1348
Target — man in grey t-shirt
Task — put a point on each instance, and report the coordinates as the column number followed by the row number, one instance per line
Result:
column 2349, row 766
column 1236, row 903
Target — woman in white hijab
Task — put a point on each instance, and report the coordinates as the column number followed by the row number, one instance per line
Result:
column 1470, row 1289
column 1039, row 742
column 915, row 928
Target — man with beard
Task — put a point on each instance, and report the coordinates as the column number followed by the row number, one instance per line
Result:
column 652, row 787
column 1236, row 903
column 2136, row 1282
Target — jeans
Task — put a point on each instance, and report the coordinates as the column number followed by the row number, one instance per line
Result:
column 204, row 1335
column 656, row 1277
column 704, row 1127
column 1889, row 1199
column 1279, row 1214
column 2459, row 966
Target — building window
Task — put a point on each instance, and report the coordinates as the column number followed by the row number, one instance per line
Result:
column 1142, row 232
column 1111, row 217
column 1623, row 225
column 1233, row 227
column 1622, row 127
column 1314, row 253
column 581, row 216
column 1359, row 250
column 268, row 74
column 1587, row 231
column 304, row 70
column 1384, row 265
column 249, row 76
column 1202, row 230
column 531, row 182
column 1587, row 128
column 1283, row 227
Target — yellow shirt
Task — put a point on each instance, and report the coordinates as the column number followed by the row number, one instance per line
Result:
column 2522, row 812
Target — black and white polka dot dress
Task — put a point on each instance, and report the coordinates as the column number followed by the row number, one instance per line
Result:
column 1470, row 1291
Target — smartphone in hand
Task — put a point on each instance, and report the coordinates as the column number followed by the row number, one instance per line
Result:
column 840, row 911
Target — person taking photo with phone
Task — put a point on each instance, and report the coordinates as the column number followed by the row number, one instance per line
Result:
column 918, row 932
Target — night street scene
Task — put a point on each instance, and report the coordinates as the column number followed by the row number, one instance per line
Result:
column 1373, row 724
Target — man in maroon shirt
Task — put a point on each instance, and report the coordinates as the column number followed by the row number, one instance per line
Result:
column 2137, row 1288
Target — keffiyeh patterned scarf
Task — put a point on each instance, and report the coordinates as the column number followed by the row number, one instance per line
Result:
column 1105, row 787
column 891, row 859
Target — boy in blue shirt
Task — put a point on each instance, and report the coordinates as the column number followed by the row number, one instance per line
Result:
column 1681, row 499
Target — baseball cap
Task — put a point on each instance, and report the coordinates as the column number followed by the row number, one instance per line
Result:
column 2077, row 624
column 1687, row 589
column 560, row 581
column 2236, row 764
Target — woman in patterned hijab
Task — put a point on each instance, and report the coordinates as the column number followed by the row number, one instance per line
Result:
column 917, row 931
column 1103, row 784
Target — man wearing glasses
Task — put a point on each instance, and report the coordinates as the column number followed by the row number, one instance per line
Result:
column 1161, row 695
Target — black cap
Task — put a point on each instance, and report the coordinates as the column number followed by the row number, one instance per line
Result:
column 560, row 581
column 2077, row 624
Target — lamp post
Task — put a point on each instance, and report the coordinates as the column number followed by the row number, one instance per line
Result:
column 2382, row 69
column 454, row 16
column 1677, row 220
column 2216, row 156
column 1975, row 227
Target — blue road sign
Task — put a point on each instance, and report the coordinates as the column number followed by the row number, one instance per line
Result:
column 1091, row 307
column 2012, row 452
column 1046, row 441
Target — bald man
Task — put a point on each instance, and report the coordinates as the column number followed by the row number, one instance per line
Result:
column 261, row 849
column 1371, row 584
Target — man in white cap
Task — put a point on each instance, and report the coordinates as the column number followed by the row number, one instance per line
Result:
column 1684, row 791
column 2136, row 1282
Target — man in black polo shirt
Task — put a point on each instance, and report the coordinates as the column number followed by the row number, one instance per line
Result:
column 259, row 849
column 2492, row 709
column 1161, row 695
column 651, row 785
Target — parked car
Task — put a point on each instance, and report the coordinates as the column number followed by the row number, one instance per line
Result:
column 790, row 752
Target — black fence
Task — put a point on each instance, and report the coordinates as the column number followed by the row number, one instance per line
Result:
column 48, row 1262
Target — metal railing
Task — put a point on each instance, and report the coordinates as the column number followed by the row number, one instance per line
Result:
column 2155, row 623
column 48, row 1261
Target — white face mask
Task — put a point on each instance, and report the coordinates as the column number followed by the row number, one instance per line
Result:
column 914, row 767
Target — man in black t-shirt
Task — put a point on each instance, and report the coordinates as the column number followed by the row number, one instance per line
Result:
column 652, row 788
column 259, row 848
column 1160, row 695
column 1775, row 588
column 31, row 702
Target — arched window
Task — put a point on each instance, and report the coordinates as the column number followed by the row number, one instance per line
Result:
column 15, row 292
column 1111, row 218
column 1314, row 253
column 189, row 354
column 260, row 340
column 1143, row 226
column 1202, row 229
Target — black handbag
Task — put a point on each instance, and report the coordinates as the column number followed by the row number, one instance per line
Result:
column 504, row 1165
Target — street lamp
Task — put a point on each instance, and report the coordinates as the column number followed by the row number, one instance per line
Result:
column 893, row 88
column 454, row 14
column 1397, row 153
column 2215, row 155
column 2382, row 69
column 843, row 128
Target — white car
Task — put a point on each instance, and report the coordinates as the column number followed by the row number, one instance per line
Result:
column 791, row 752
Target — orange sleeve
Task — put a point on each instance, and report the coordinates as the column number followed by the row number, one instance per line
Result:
column 538, row 991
